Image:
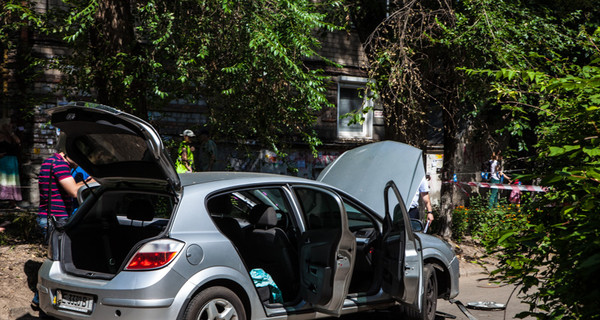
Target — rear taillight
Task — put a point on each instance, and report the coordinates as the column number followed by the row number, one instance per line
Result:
column 154, row 255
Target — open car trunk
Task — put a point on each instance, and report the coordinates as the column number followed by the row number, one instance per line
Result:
column 106, row 231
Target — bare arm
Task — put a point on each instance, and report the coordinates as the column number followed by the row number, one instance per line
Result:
column 427, row 201
column 71, row 186
column 505, row 176
column 185, row 161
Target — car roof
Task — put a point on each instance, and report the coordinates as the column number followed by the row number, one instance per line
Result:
column 219, row 180
column 241, row 178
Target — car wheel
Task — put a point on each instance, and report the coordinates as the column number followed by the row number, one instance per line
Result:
column 215, row 303
column 430, row 293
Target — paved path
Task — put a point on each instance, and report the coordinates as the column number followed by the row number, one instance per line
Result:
column 474, row 286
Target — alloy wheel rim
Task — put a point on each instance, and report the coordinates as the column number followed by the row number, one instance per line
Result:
column 218, row 309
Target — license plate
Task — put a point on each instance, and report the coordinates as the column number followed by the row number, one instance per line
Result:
column 74, row 301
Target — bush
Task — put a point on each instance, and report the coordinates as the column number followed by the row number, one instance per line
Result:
column 483, row 223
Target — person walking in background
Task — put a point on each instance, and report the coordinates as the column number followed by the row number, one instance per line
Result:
column 423, row 193
column 185, row 153
column 10, row 181
column 208, row 151
column 496, row 176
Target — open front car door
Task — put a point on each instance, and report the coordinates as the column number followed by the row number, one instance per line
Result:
column 402, row 253
column 327, row 250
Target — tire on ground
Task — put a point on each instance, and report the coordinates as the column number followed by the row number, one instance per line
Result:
column 215, row 303
column 429, row 299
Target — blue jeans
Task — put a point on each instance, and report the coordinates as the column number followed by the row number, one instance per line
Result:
column 494, row 195
column 42, row 222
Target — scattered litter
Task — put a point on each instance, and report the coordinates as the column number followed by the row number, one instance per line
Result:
column 462, row 308
column 439, row 314
column 263, row 280
column 486, row 305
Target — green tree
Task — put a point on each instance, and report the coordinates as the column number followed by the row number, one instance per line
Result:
column 417, row 50
column 18, row 64
column 555, row 257
column 244, row 58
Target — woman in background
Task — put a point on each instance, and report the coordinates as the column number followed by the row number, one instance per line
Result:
column 496, row 176
column 10, row 184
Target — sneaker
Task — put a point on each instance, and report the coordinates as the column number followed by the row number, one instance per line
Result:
column 36, row 299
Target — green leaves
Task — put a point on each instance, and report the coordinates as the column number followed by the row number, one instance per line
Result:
column 567, row 98
column 246, row 59
column 557, row 151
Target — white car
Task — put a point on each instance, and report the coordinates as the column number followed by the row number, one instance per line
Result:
column 148, row 243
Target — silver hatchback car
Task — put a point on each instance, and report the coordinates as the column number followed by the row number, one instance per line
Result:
column 148, row 243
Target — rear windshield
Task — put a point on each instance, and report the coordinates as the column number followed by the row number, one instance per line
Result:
column 110, row 148
column 132, row 207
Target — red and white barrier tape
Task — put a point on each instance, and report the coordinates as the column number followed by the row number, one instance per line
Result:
column 521, row 187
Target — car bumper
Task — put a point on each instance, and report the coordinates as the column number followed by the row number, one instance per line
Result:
column 454, row 269
column 129, row 295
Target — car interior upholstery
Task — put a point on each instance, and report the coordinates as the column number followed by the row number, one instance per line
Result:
column 106, row 234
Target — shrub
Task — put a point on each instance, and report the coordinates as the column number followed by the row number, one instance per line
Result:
column 483, row 223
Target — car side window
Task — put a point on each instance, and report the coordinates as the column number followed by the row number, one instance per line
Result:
column 239, row 203
column 357, row 219
column 320, row 209
column 396, row 211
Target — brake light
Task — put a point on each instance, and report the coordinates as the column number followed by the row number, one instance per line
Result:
column 155, row 255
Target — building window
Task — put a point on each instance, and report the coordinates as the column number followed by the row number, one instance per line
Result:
column 351, row 98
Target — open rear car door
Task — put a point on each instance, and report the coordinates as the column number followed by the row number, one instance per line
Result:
column 327, row 250
column 402, row 253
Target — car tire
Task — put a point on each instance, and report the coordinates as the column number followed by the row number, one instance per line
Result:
column 215, row 303
column 430, row 293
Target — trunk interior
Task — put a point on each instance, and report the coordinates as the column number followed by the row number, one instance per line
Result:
column 100, row 240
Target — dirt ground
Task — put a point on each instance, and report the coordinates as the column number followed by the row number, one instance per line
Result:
column 21, row 259
column 18, row 275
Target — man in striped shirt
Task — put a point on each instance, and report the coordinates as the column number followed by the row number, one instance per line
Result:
column 57, row 188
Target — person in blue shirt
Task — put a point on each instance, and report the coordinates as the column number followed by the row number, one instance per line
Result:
column 79, row 175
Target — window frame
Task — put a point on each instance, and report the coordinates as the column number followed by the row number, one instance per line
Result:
column 347, row 82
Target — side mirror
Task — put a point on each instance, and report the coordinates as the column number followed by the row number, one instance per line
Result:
column 416, row 225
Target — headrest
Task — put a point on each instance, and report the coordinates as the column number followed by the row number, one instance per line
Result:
column 140, row 209
column 263, row 215
column 219, row 204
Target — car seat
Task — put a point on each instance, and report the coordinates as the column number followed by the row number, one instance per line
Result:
column 271, row 250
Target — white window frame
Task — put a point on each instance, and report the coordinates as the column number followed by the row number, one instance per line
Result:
column 347, row 82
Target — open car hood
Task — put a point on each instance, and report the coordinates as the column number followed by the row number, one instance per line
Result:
column 364, row 171
column 110, row 144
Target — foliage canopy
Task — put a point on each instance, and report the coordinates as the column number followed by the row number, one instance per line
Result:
column 529, row 68
column 245, row 59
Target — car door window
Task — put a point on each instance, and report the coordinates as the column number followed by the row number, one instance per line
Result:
column 357, row 219
column 320, row 210
column 239, row 203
